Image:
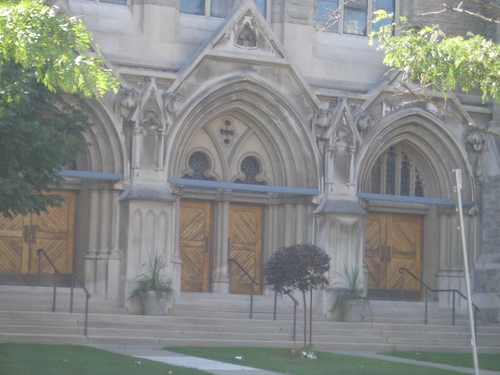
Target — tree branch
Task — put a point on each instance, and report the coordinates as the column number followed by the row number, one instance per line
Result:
column 460, row 9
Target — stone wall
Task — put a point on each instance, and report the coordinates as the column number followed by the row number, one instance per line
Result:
column 300, row 12
column 490, row 236
column 452, row 23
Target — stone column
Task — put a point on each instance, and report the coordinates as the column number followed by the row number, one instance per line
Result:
column 114, row 254
column 289, row 224
column 220, row 276
column 104, row 244
column 90, row 256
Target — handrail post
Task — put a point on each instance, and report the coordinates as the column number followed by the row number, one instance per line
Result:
column 453, row 310
column 71, row 294
column 294, row 319
column 426, row 303
column 86, row 314
column 475, row 321
column 39, row 267
column 402, row 284
column 54, row 293
column 251, row 299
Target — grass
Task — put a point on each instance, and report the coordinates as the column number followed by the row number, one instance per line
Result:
column 22, row 359
column 486, row 361
column 279, row 360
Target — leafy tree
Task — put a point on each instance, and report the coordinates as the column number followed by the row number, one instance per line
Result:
column 57, row 47
column 427, row 56
column 36, row 140
column 439, row 63
column 301, row 267
column 44, row 54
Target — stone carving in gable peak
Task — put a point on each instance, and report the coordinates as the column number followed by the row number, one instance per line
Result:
column 172, row 103
column 128, row 99
column 475, row 140
column 246, row 36
column 364, row 121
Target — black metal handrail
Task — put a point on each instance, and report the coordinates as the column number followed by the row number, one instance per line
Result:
column 253, row 283
column 74, row 278
column 402, row 270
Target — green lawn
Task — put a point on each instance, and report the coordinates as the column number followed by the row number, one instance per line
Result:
column 21, row 359
column 486, row 361
column 278, row 360
column 24, row 359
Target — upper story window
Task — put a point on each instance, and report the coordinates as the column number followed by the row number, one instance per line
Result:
column 119, row 2
column 395, row 173
column 214, row 8
column 350, row 16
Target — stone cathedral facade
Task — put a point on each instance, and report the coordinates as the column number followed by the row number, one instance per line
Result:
column 239, row 129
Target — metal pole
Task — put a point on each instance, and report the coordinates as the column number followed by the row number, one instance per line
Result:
column 458, row 204
column 54, row 293
column 426, row 303
column 251, row 300
column 453, row 310
column 71, row 294
column 402, row 284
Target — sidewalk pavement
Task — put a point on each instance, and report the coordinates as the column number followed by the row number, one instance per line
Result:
column 155, row 353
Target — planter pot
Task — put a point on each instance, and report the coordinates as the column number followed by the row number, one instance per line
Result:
column 154, row 306
column 356, row 312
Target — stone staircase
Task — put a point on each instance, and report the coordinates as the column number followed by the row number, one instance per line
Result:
column 215, row 320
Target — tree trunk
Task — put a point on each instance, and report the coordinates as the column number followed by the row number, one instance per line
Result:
column 305, row 319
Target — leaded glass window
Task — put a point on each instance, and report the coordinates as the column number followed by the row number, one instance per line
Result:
column 250, row 167
column 199, row 165
column 394, row 173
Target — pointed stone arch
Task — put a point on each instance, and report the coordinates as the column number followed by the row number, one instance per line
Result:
column 438, row 152
column 280, row 129
column 426, row 138
column 106, row 151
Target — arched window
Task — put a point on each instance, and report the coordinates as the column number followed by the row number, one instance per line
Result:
column 394, row 173
column 250, row 167
column 199, row 165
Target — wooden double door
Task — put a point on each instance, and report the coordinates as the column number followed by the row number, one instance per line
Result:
column 198, row 252
column 391, row 242
column 53, row 231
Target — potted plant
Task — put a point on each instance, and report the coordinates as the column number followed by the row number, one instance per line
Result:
column 154, row 289
column 349, row 304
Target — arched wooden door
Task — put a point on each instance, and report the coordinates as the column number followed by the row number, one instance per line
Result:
column 392, row 242
column 53, row 231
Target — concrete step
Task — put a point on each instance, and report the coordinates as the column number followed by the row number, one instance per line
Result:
column 207, row 319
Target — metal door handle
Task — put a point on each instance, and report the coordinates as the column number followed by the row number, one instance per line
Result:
column 33, row 234
column 26, row 234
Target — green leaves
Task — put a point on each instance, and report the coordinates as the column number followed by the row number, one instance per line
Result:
column 36, row 139
column 298, row 267
column 439, row 62
column 57, row 47
column 43, row 54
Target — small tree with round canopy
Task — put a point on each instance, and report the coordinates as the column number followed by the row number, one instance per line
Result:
column 302, row 267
